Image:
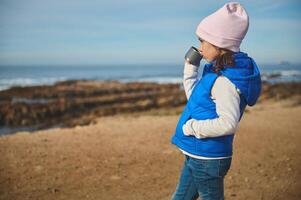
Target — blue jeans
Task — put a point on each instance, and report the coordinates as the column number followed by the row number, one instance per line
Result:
column 204, row 178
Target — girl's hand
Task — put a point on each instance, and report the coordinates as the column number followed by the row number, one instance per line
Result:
column 188, row 129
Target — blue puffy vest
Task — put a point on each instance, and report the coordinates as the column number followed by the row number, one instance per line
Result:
column 245, row 76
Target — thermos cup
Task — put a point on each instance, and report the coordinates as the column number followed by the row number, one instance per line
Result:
column 193, row 56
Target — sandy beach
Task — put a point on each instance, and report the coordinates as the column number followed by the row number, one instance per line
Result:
column 129, row 156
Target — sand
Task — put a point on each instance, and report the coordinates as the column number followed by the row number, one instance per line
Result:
column 129, row 156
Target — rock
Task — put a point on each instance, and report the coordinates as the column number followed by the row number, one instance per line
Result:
column 67, row 100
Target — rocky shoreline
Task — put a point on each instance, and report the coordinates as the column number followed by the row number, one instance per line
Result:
column 79, row 102
column 71, row 103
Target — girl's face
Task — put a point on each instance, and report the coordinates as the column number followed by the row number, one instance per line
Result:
column 209, row 51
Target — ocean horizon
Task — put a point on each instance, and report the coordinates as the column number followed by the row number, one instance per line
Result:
column 11, row 76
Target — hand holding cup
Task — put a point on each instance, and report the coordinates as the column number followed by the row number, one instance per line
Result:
column 193, row 56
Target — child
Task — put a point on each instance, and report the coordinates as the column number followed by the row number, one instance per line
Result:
column 216, row 102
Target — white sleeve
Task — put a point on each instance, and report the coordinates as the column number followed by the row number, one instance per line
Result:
column 190, row 78
column 227, row 100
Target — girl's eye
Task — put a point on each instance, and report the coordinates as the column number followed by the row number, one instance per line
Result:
column 200, row 40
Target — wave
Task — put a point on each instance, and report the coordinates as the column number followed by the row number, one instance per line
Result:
column 290, row 73
column 267, row 75
column 23, row 82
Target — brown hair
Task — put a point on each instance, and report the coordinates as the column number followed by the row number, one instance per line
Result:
column 223, row 60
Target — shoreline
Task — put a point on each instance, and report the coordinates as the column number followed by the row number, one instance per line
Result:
column 79, row 102
column 35, row 75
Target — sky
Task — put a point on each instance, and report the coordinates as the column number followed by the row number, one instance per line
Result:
column 103, row 32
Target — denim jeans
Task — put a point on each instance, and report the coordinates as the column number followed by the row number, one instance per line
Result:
column 204, row 178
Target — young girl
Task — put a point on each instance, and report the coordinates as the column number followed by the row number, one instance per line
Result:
column 216, row 102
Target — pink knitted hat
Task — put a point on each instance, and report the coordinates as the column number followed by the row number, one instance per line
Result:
column 226, row 27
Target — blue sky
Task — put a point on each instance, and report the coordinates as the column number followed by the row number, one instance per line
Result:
column 82, row 32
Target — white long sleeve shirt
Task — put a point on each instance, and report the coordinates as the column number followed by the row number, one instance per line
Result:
column 227, row 100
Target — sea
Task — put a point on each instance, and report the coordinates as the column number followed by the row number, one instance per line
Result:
column 23, row 76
